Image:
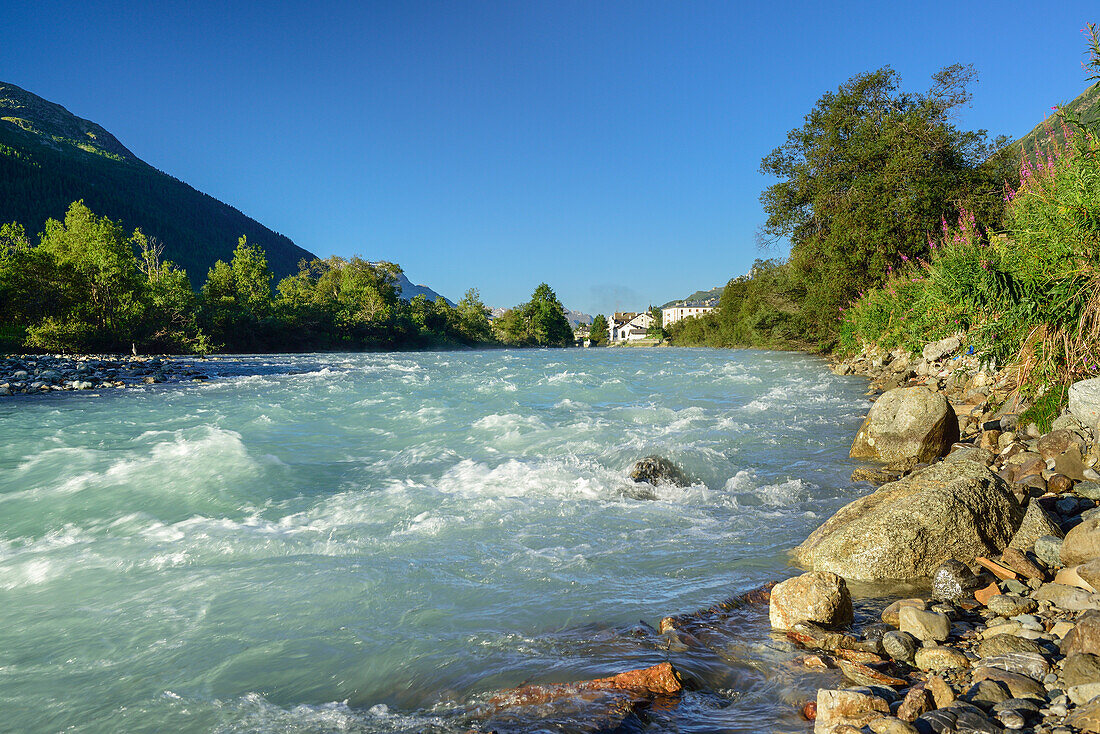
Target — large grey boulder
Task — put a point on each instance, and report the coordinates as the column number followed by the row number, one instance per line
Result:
column 936, row 351
column 907, row 422
column 907, row 528
column 659, row 470
column 1084, row 401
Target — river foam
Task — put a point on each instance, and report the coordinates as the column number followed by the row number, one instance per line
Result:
column 372, row 542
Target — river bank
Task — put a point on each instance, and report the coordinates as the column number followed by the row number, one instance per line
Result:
column 34, row 374
column 1009, row 638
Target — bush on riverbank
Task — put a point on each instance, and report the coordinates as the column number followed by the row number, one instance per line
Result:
column 1030, row 295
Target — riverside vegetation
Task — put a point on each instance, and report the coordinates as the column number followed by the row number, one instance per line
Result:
column 905, row 229
column 87, row 286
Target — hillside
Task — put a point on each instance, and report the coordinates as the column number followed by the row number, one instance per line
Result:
column 706, row 298
column 50, row 158
column 1087, row 104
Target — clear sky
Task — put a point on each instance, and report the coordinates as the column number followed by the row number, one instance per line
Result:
column 610, row 149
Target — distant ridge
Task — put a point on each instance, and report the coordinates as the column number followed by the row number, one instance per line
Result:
column 1087, row 105
column 704, row 298
column 49, row 158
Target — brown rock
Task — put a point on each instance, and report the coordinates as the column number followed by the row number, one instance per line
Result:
column 1071, row 577
column 940, row 657
column 1059, row 484
column 989, row 440
column 1057, row 442
column 997, row 569
column 1086, row 718
column 1015, row 559
column 846, row 708
column 809, row 710
column 1084, row 637
column 891, row 725
column 815, row 636
column 1020, row 686
column 916, row 702
column 1071, row 464
column 1081, row 668
column 858, row 656
column 983, row 595
column 647, row 683
column 890, row 613
column 1090, row 573
column 865, row 675
column 818, row 596
column 941, row 691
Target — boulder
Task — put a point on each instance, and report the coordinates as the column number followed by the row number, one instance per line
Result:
column 1067, row 597
column 1081, row 668
column 1084, row 401
column 900, row 646
column 1048, row 549
column 659, row 470
column 936, row 351
column 906, row 529
column 818, row 596
column 907, row 422
column 836, row 708
column 1036, row 523
column 1084, row 637
column 1082, row 543
column 940, row 657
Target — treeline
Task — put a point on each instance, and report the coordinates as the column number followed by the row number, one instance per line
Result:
column 87, row 285
column 888, row 252
column 860, row 187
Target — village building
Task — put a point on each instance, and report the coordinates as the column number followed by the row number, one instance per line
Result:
column 671, row 315
column 629, row 326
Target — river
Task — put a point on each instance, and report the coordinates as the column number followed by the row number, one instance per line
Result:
column 339, row 542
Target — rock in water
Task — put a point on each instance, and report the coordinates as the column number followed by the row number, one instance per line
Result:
column 1084, row 401
column 818, row 596
column 837, row 708
column 659, row 470
column 906, row 529
column 908, row 422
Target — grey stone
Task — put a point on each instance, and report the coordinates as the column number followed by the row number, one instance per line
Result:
column 941, row 657
column 900, row 646
column 1048, row 549
column 925, row 626
column 1031, row 664
column 658, row 470
column 1005, row 644
column 1010, row 605
column 935, row 351
column 1067, row 597
column 906, row 529
column 1084, row 401
column 953, row 580
column 909, row 422
column 987, row 693
column 1091, row 490
column 1020, row 686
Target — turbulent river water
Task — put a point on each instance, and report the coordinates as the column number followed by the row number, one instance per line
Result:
column 316, row 543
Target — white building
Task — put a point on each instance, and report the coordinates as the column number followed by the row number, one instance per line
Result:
column 670, row 316
column 629, row 326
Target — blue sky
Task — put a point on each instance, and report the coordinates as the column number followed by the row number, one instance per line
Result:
column 610, row 149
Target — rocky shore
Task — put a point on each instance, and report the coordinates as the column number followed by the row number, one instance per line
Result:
column 1004, row 522
column 38, row 374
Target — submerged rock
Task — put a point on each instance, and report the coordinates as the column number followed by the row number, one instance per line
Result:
column 911, row 422
column 906, row 529
column 659, row 470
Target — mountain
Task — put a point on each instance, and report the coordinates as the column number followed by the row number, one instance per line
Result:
column 706, row 298
column 49, row 158
column 408, row 291
column 1087, row 105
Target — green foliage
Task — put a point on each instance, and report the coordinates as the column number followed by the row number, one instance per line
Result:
column 87, row 286
column 540, row 322
column 1046, row 408
column 866, row 179
column 597, row 331
column 761, row 310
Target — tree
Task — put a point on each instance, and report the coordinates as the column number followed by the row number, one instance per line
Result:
column 473, row 318
column 539, row 322
column 868, row 178
column 237, row 299
column 597, row 332
column 656, row 331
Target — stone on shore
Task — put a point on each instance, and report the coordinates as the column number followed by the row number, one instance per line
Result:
column 1036, row 524
column 837, row 708
column 954, row 580
column 659, row 470
column 1082, row 543
column 1084, row 637
column 941, row 657
column 900, row 646
column 909, row 422
column 818, row 596
column 925, row 626
column 906, row 529
column 936, row 351
column 1084, row 401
